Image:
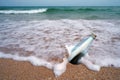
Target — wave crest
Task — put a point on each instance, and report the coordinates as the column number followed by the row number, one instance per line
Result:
column 23, row 11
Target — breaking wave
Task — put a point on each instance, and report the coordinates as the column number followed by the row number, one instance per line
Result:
column 23, row 11
column 41, row 10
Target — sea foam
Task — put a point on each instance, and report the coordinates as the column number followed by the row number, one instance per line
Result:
column 43, row 42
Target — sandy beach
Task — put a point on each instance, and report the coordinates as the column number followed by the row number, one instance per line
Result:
column 18, row 70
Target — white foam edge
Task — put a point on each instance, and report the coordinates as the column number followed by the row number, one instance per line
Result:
column 89, row 64
column 34, row 60
column 58, row 68
column 108, row 62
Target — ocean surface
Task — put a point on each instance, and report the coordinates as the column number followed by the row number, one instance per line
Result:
column 39, row 35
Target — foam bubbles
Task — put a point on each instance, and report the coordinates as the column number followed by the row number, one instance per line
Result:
column 43, row 42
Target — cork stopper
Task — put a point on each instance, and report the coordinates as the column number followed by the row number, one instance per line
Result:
column 93, row 35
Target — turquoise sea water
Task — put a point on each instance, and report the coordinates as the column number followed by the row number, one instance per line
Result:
column 93, row 12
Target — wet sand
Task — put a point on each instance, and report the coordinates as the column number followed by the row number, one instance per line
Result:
column 19, row 70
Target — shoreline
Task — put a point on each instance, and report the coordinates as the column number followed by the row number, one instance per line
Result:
column 21, row 70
